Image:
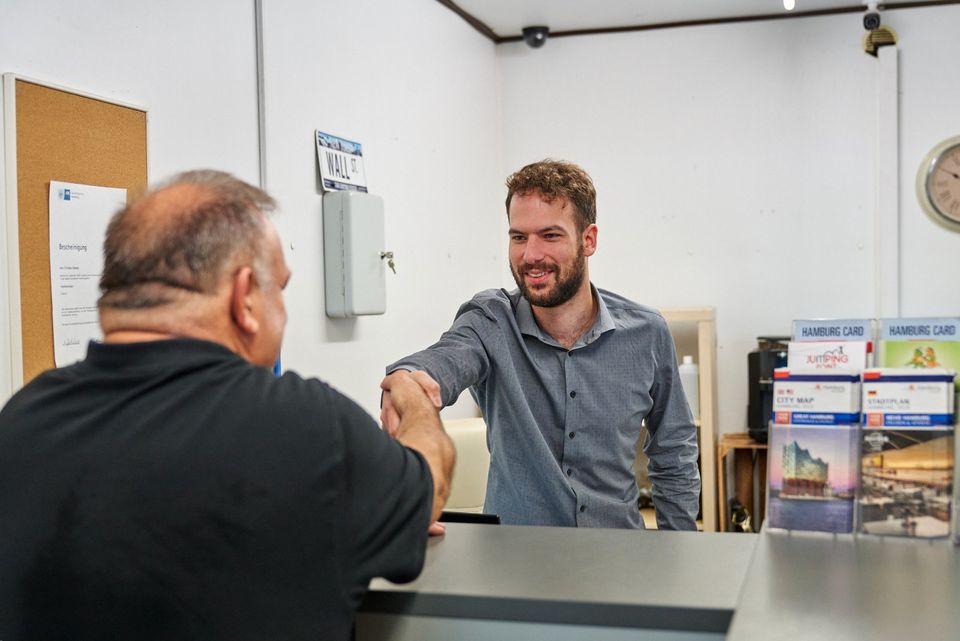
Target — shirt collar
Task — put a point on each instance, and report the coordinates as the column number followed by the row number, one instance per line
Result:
column 171, row 351
column 602, row 324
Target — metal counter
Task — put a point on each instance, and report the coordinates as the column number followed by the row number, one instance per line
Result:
column 818, row 586
column 485, row 581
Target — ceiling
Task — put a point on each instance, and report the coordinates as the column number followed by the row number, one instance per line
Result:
column 506, row 18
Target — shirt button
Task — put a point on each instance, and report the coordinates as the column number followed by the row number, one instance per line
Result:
column 572, row 434
column 569, row 471
column 573, row 394
column 583, row 508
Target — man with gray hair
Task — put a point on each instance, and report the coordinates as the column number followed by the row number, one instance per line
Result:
column 169, row 486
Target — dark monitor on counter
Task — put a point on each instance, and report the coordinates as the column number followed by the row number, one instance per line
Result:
column 469, row 517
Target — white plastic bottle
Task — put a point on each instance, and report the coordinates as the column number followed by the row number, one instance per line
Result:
column 690, row 380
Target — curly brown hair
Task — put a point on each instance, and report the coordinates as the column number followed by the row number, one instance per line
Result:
column 557, row 179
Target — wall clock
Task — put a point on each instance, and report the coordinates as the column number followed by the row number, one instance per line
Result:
column 938, row 183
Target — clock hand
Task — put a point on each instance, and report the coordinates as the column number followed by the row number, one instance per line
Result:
column 947, row 171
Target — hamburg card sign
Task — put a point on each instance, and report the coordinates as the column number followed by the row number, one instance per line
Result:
column 341, row 163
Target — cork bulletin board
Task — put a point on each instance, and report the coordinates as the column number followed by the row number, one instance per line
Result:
column 67, row 136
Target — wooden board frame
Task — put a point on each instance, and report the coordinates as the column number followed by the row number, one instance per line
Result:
column 53, row 133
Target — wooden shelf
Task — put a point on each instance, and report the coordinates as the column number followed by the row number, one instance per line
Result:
column 744, row 450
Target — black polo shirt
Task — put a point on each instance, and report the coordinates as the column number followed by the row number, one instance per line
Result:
column 171, row 490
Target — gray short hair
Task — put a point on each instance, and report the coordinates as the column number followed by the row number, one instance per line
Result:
column 163, row 244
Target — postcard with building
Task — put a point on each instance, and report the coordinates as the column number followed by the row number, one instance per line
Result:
column 812, row 478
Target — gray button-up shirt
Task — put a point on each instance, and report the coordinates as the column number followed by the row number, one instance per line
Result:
column 562, row 425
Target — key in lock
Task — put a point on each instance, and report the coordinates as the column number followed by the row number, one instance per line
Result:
column 390, row 263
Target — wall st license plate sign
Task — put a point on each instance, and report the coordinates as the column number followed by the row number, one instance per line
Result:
column 341, row 163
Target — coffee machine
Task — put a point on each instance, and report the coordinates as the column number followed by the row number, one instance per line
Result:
column 770, row 354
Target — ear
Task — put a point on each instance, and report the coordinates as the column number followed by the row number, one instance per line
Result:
column 590, row 240
column 241, row 301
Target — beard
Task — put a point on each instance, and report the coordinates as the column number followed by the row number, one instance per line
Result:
column 568, row 281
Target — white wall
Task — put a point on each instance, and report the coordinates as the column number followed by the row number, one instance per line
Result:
column 725, row 156
column 929, row 113
column 415, row 85
column 735, row 166
column 190, row 64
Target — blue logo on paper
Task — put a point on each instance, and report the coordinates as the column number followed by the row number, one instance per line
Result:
column 66, row 194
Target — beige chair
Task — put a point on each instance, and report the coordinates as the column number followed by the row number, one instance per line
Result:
column 469, row 485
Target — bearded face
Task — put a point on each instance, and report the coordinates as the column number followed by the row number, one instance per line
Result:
column 548, row 251
column 547, row 283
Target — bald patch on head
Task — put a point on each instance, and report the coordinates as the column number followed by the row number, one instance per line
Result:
column 150, row 215
column 173, row 201
column 182, row 239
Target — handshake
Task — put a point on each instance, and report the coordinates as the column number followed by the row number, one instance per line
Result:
column 409, row 412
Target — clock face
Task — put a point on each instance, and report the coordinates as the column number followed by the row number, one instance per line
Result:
column 943, row 184
column 938, row 183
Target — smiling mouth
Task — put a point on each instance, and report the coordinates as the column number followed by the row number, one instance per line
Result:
column 537, row 276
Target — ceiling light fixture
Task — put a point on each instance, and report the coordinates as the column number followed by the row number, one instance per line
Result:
column 789, row 4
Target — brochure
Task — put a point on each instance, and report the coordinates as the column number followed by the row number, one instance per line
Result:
column 812, row 472
column 906, row 481
column 919, row 343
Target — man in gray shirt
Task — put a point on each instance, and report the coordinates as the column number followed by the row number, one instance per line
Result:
column 564, row 374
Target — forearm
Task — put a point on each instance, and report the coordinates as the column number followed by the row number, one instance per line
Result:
column 673, row 471
column 676, row 496
column 673, row 449
column 422, row 431
column 457, row 361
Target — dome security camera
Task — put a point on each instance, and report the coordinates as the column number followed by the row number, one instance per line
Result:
column 535, row 36
column 871, row 21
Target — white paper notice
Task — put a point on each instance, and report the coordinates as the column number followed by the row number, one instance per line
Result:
column 79, row 215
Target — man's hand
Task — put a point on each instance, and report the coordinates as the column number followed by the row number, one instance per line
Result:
column 390, row 408
column 413, row 399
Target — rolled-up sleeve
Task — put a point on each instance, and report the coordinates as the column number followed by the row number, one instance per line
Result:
column 672, row 445
column 456, row 361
